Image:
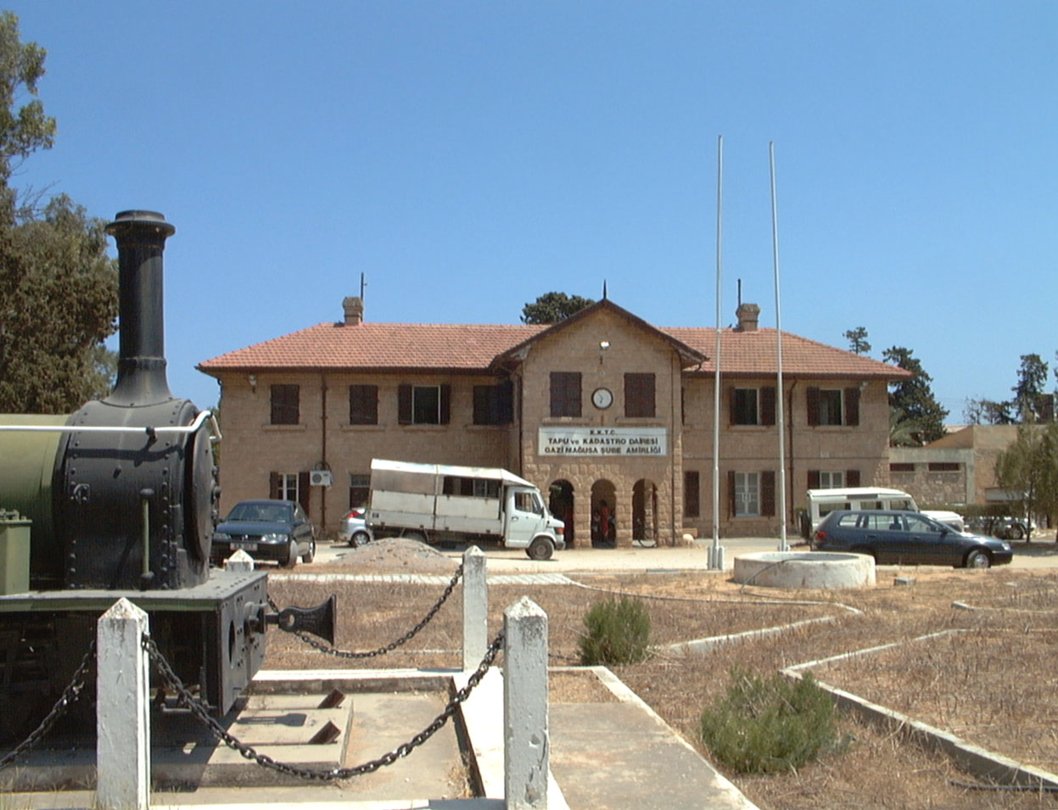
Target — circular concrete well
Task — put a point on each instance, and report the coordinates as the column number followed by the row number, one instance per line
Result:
column 804, row 569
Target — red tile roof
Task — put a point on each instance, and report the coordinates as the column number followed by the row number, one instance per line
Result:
column 473, row 347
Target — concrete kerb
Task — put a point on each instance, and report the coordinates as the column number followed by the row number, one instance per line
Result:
column 980, row 762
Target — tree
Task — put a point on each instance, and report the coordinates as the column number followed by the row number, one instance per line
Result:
column 857, row 339
column 916, row 409
column 988, row 412
column 553, row 307
column 58, row 288
column 1028, row 470
column 1029, row 394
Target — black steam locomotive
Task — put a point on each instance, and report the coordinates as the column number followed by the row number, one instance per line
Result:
column 121, row 498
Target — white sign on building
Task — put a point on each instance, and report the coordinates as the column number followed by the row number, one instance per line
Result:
column 603, row 441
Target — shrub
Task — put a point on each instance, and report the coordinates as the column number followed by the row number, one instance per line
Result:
column 617, row 631
column 769, row 725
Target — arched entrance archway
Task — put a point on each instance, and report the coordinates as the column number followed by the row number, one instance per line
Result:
column 603, row 514
column 645, row 512
column 560, row 502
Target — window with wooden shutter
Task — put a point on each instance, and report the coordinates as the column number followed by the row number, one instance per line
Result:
column 639, row 395
column 424, row 404
column 363, row 404
column 767, row 405
column 565, row 393
column 813, row 479
column 744, row 407
column 691, row 494
column 852, row 478
column 286, row 404
column 767, row 493
column 852, row 406
column 494, row 404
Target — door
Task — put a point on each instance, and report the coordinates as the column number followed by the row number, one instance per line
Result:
column 930, row 543
column 525, row 517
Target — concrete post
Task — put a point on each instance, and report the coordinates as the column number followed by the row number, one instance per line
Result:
column 525, row 720
column 123, row 762
column 475, row 608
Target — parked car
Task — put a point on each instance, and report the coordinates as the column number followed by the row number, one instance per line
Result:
column 354, row 529
column 279, row 531
column 907, row 538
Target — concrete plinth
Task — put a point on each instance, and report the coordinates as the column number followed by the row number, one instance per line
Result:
column 804, row 569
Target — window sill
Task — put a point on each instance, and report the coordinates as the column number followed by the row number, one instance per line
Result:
column 299, row 428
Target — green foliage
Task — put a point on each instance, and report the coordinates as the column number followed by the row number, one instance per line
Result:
column 769, row 725
column 919, row 413
column 1029, row 394
column 857, row 339
column 553, row 307
column 617, row 631
column 58, row 288
column 1028, row 469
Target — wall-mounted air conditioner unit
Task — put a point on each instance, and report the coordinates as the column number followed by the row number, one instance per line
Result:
column 320, row 478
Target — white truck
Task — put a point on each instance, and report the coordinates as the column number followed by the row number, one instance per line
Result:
column 439, row 503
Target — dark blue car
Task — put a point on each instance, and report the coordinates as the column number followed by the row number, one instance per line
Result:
column 278, row 531
column 907, row 538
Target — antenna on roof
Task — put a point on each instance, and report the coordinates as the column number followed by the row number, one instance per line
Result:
column 363, row 286
column 604, row 289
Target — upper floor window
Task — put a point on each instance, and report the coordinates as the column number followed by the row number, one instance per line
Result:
column 286, row 404
column 565, row 393
column 363, row 404
column 833, row 406
column 639, row 394
column 423, row 404
column 494, row 404
column 753, row 406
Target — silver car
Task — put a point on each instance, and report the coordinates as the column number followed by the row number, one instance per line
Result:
column 354, row 529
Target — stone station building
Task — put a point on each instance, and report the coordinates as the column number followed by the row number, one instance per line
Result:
column 603, row 411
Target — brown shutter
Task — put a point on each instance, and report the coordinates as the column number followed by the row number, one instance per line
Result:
column 446, row 404
column 852, row 478
column 767, row 405
column 731, row 406
column 852, row 406
column 767, row 493
column 273, row 486
column 303, row 490
column 730, row 493
column 404, row 404
column 813, row 479
column 812, row 396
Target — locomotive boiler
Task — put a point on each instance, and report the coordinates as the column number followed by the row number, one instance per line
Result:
column 121, row 500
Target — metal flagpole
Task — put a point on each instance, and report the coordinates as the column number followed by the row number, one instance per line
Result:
column 716, row 551
column 783, row 545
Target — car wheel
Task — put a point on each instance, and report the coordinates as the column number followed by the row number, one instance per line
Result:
column 418, row 537
column 1016, row 533
column 310, row 555
column 978, row 559
column 359, row 539
column 540, row 549
column 292, row 555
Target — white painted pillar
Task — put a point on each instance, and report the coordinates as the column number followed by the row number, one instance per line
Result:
column 525, row 721
column 123, row 762
column 475, row 608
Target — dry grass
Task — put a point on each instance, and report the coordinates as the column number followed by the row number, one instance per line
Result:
column 992, row 682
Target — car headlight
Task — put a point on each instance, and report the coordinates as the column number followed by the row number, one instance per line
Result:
column 221, row 537
column 273, row 537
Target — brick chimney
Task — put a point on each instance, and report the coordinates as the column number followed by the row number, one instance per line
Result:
column 354, row 310
column 748, row 315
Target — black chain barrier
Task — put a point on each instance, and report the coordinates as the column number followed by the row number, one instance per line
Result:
column 69, row 696
column 319, row 646
column 187, row 699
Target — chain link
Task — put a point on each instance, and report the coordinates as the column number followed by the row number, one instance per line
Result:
column 188, row 700
column 69, row 696
column 320, row 646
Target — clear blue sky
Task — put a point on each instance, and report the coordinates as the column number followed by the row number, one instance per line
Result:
column 470, row 156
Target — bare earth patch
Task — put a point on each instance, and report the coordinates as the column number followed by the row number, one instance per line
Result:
column 991, row 680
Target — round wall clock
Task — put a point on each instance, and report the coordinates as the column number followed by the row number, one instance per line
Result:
column 602, row 398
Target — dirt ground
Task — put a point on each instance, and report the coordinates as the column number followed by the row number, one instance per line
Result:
column 988, row 676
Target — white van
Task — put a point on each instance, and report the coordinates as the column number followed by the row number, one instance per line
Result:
column 821, row 502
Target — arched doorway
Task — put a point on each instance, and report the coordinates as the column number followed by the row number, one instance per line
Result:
column 645, row 512
column 560, row 502
column 603, row 514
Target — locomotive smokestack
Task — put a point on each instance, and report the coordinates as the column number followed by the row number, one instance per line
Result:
column 140, row 237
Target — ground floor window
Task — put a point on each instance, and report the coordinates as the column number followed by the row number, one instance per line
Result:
column 747, row 494
column 359, row 487
column 831, row 479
